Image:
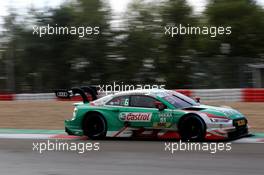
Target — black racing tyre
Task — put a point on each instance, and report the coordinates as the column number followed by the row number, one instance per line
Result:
column 192, row 128
column 94, row 126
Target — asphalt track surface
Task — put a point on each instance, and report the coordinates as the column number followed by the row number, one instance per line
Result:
column 118, row 157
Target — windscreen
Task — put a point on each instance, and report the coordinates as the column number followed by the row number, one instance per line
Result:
column 178, row 100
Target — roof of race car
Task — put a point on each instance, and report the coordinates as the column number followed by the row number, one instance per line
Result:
column 151, row 92
column 142, row 92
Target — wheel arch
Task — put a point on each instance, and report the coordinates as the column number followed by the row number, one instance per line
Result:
column 89, row 113
column 192, row 114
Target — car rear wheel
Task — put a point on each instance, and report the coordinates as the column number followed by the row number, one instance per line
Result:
column 192, row 128
column 94, row 126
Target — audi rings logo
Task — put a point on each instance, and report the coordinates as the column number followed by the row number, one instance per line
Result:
column 62, row 94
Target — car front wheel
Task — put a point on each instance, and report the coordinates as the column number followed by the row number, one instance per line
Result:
column 192, row 128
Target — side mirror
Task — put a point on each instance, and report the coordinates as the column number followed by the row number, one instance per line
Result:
column 160, row 106
column 197, row 99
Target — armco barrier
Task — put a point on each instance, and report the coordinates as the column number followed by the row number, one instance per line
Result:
column 232, row 95
column 6, row 97
column 75, row 98
column 227, row 95
column 185, row 92
column 41, row 96
column 253, row 95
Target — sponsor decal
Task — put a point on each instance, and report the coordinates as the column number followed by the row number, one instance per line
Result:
column 135, row 117
column 62, row 94
column 165, row 118
column 162, row 125
column 165, row 115
column 241, row 122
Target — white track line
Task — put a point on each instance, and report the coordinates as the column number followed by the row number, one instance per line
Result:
column 249, row 140
column 26, row 136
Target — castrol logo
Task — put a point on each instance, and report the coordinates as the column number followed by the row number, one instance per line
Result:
column 135, row 117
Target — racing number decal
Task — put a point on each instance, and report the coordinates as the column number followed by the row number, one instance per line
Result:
column 165, row 120
column 162, row 120
column 126, row 103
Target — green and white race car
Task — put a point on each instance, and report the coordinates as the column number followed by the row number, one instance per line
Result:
column 155, row 113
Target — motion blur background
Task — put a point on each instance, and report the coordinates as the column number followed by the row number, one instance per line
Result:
column 131, row 47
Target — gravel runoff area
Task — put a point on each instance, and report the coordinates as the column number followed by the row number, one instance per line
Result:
column 51, row 114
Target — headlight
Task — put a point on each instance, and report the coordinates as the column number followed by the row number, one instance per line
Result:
column 220, row 120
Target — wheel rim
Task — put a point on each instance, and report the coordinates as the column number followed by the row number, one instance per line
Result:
column 95, row 126
column 192, row 129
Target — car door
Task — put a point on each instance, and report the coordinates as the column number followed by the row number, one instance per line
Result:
column 141, row 111
column 114, row 106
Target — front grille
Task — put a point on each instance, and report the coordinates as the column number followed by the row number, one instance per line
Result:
column 239, row 132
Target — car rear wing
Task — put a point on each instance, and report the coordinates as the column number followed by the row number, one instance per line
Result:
column 82, row 91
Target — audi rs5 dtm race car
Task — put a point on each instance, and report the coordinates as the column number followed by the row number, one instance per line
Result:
column 155, row 113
